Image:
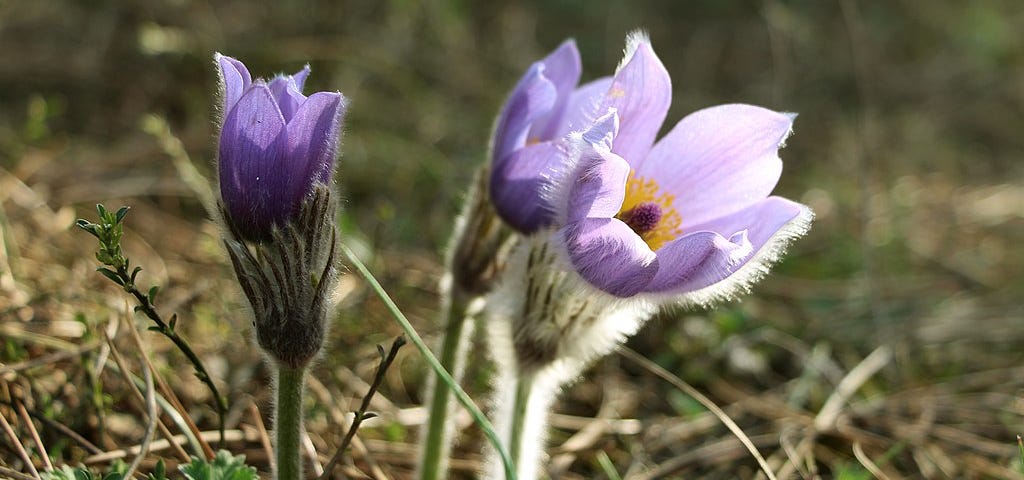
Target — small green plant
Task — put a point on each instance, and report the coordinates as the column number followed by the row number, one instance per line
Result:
column 224, row 466
column 117, row 268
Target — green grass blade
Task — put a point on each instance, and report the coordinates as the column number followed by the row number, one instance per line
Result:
column 442, row 374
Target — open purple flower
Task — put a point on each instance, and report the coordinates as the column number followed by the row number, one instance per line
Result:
column 275, row 145
column 688, row 216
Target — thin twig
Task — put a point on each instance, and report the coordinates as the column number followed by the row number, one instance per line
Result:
column 360, row 415
column 18, row 446
column 693, row 392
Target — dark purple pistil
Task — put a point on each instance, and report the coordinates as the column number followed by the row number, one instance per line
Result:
column 642, row 218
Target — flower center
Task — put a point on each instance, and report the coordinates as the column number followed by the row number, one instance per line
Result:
column 649, row 212
column 642, row 218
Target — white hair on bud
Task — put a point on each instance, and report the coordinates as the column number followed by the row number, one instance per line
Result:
column 633, row 41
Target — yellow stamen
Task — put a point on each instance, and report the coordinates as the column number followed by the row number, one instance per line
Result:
column 640, row 190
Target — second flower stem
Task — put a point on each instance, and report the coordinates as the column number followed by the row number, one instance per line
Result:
column 288, row 422
column 437, row 441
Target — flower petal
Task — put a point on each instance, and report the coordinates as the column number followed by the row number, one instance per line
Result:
column 517, row 185
column 707, row 269
column 234, row 77
column 300, row 78
column 597, row 182
column 313, row 139
column 533, row 97
column 718, row 160
column 584, row 106
column 251, row 162
column 288, row 94
column 641, row 92
column 608, row 255
column 562, row 68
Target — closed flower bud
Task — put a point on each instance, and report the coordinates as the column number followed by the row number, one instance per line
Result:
column 276, row 162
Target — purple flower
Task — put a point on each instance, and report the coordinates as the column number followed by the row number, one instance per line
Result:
column 687, row 216
column 276, row 144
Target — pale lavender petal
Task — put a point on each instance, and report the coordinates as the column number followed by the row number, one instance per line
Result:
column 251, row 159
column 597, row 184
column 641, row 91
column 533, row 97
column 517, row 186
column 584, row 106
column 718, row 160
column 690, row 261
column 562, row 67
column 313, row 140
column 235, row 78
column 705, row 259
column 610, row 256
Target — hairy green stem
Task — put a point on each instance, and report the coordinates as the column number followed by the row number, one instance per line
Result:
column 436, row 443
column 288, row 422
column 443, row 374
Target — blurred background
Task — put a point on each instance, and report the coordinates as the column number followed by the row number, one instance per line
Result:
column 908, row 147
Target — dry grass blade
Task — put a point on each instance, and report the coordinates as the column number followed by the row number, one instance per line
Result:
column 705, row 401
column 126, row 374
column 257, row 419
column 866, row 462
column 27, row 421
column 18, row 446
column 168, row 393
column 150, row 426
column 864, row 370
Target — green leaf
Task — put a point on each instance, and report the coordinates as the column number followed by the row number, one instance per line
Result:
column 121, row 212
column 111, row 275
column 159, row 471
column 152, row 295
column 134, row 272
column 224, row 467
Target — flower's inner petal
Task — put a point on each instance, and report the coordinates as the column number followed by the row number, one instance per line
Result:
column 518, row 184
column 562, row 67
column 288, row 95
column 313, row 140
column 236, row 79
column 300, row 78
column 584, row 107
column 650, row 212
column 608, row 255
column 533, row 96
column 641, row 91
column 252, row 171
column 597, row 179
column 718, row 160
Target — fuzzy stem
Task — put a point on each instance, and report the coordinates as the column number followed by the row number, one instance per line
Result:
column 522, row 408
column 519, row 417
column 436, row 443
column 288, row 422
